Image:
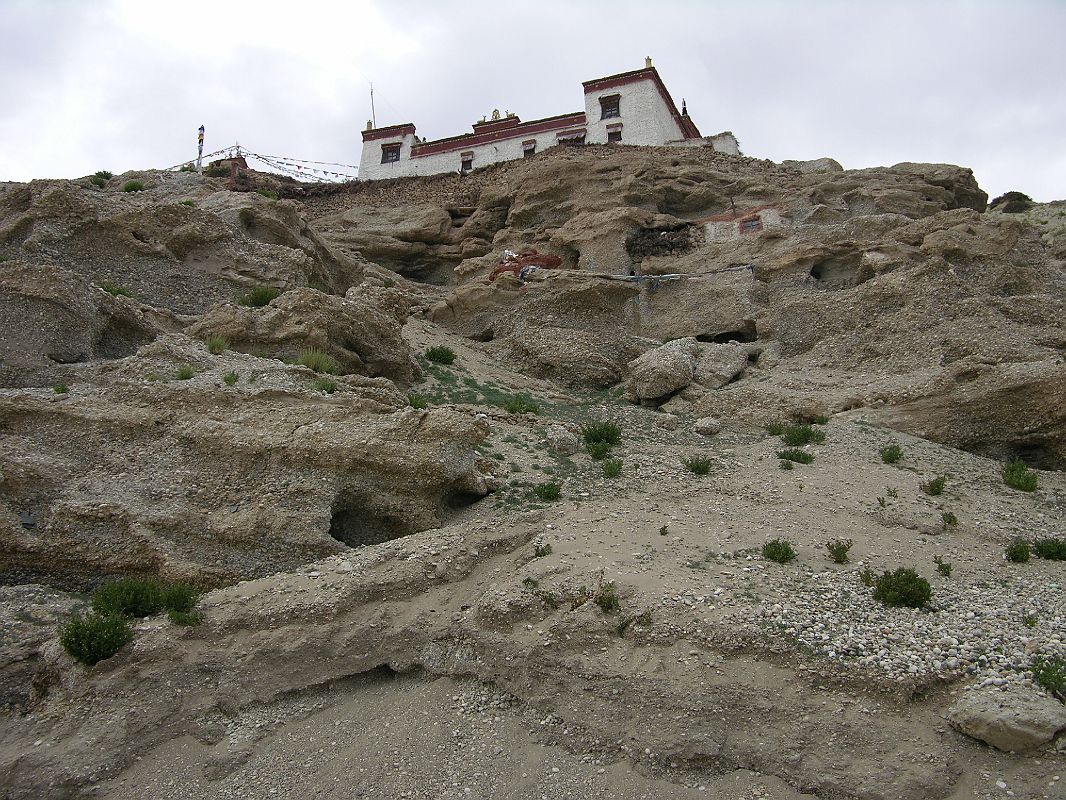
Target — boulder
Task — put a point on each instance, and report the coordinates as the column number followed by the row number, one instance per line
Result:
column 1016, row 720
column 708, row 426
column 361, row 330
column 660, row 372
column 719, row 364
column 562, row 441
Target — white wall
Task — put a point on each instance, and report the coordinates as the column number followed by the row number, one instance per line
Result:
column 370, row 166
column 646, row 119
column 504, row 150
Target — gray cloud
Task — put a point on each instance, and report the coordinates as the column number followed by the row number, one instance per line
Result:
column 122, row 85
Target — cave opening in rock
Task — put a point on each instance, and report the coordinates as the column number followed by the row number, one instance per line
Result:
column 747, row 332
column 356, row 524
column 838, row 273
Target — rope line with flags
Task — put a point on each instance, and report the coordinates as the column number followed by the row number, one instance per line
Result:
column 302, row 169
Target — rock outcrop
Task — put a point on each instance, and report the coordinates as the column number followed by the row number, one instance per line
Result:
column 1014, row 721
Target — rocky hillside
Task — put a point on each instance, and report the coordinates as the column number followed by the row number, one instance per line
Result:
column 384, row 469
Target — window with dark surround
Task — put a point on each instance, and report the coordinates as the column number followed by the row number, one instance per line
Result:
column 466, row 164
column 609, row 107
column 390, row 153
column 614, row 136
column 529, row 149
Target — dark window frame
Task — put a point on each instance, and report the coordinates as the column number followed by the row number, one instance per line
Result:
column 611, row 107
column 466, row 163
column 615, row 136
column 390, row 153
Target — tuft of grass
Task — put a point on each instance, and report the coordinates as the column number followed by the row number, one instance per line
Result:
column 325, row 385
column 1050, row 548
column 779, row 550
column 902, row 588
column 606, row 432
column 269, row 194
column 187, row 618
column 775, row 428
column 793, row 454
column 417, row 400
column 541, row 550
column 259, row 296
column 606, row 597
column 189, row 203
column 521, row 404
column 115, row 290
column 891, row 453
column 132, row 186
column 785, row 465
column 1018, row 551
column 664, row 530
column 838, row 549
column 1018, row 476
column 949, row 519
column 697, row 465
column 820, row 419
column 598, row 450
column 441, row 355
column 942, row 566
column 142, row 597
column 1049, row 672
column 612, row 467
column 230, row 378
column 882, row 502
column 799, row 435
column 548, row 491
column 184, row 372
column 318, row 361
column 866, row 575
column 934, row 486
column 60, row 388
column 1029, row 620
column 216, row 344
column 95, row 636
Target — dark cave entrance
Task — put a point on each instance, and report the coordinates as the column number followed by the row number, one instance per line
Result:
column 355, row 524
column 747, row 332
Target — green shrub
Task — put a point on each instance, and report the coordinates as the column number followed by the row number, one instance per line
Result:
column 521, row 404
column 819, row 419
column 259, row 296
column 230, row 378
column 179, row 597
column 60, row 388
column 1018, row 551
column 866, row 575
column 130, row 597
column 325, row 385
column 217, row 171
column 697, row 465
column 315, row 359
column 785, row 465
column 187, row 167
column 934, row 486
column 1029, row 620
column 606, row 597
column 1051, row 548
column 838, row 549
column 612, row 467
column 775, row 428
column 96, row 180
column 1012, row 202
column 189, row 203
column 132, row 186
column 949, row 519
column 114, row 289
column 417, row 400
column 1049, row 672
column 891, row 453
column 188, row 618
column 103, row 173
column 904, row 587
column 779, row 550
column 184, row 372
column 547, row 491
column 799, row 456
column 269, row 194
column 541, row 550
column 441, row 355
column 1018, row 476
column 387, row 283
column 95, row 636
column 606, row 432
column 798, row 435
column 598, row 450
column 216, row 344
column 942, row 566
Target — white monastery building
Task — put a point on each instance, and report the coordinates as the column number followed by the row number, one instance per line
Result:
column 629, row 108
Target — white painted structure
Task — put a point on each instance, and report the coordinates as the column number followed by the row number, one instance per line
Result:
column 629, row 108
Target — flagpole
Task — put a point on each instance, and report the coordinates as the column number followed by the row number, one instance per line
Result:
column 200, row 152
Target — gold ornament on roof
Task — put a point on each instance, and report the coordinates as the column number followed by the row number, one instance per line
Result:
column 495, row 114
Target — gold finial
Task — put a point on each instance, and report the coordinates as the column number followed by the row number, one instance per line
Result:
column 495, row 114
column 369, row 125
column 647, row 62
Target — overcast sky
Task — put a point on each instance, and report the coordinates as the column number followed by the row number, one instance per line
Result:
column 124, row 84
